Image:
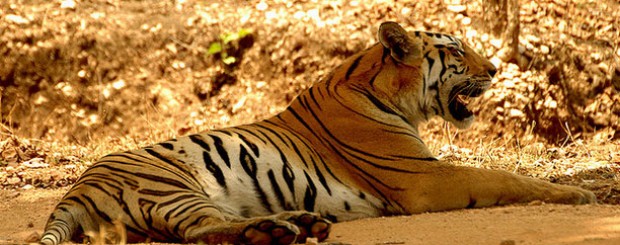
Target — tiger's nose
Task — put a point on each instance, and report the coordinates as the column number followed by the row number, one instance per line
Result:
column 492, row 72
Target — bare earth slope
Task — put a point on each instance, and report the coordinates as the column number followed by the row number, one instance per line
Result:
column 81, row 81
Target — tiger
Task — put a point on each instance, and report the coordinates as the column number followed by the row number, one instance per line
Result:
column 346, row 148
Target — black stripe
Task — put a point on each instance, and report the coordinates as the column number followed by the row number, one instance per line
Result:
column 166, row 159
column 146, row 210
column 456, row 71
column 321, row 177
column 251, row 132
column 354, row 65
column 276, row 189
column 174, row 202
column 167, row 145
column 154, row 178
column 379, row 104
column 148, row 162
column 311, row 92
column 215, row 170
column 172, row 164
column 116, row 196
column 310, row 196
column 289, row 177
column 219, row 146
column 262, row 196
column 344, row 158
column 430, row 61
column 98, row 211
column 199, row 140
column 424, row 87
column 226, row 132
column 472, row 203
column 247, row 162
column 252, row 146
column 197, row 221
column 366, row 116
column 442, row 72
column 187, row 208
column 274, row 132
column 383, row 196
column 386, row 52
column 372, row 79
column 303, row 122
column 157, row 193
column 435, row 86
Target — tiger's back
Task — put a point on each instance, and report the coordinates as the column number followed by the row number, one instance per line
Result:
column 162, row 192
column 346, row 148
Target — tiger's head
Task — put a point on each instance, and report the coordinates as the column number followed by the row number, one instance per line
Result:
column 443, row 74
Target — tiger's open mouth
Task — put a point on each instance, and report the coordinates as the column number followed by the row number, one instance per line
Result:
column 461, row 95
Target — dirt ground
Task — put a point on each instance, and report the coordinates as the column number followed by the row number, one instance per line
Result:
column 83, row 78
column 24, row 214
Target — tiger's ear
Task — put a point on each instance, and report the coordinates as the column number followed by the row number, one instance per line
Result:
column 402, row 48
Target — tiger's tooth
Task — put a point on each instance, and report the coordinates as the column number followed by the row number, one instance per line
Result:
column 463, row 99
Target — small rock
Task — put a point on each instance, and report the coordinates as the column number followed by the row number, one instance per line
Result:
column 68, row 4
column 16, row 19
column 36, row 162
column 237, row 106
column 262, row 6
column 496, row 61
column 457, row 8
column 508, row 83
column 466, row 21
column 13, row 180
column 532, row 39
column 484, row 37
column 497, row 43
column 312, row 241
column 405, row 11
column 516, row 113
column 544, row 49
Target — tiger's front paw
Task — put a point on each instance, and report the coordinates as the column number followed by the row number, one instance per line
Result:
column 270, row 231
column 311, row 225
column 571, row 195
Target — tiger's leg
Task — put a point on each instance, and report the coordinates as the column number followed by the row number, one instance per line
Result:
column 441, row 186
column 282, row 228
column 195, row 219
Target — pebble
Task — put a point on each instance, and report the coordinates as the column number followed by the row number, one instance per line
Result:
column 516, row 113
column 457, row 8
column 68, row 4
column 13, row 180
column 16, row 19
column 497, row 43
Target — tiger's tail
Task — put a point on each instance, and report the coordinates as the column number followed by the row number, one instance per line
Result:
column 62, row 225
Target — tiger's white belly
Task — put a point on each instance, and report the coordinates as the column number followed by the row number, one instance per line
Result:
column 243, row 183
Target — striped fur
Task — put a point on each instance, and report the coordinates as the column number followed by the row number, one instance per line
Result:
column 347, row 148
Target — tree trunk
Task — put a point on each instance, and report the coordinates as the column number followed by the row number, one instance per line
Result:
column 502, row 18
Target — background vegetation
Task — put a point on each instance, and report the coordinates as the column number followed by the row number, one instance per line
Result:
column 79, row 79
